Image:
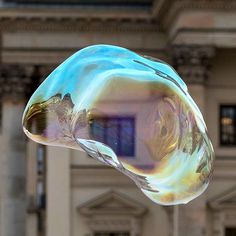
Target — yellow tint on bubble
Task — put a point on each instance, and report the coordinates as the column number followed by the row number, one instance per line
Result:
column 130, row 112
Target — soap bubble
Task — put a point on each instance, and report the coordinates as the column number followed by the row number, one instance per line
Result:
column 130, row 112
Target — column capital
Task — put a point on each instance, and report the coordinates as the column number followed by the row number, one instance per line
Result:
column 193, row 62
column 14, row 81
column 18, row 82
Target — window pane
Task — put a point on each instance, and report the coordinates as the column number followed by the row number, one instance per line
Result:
column 116, row 132
column 41, row 197
column 97, row 130
column 127, row 137
column 227, row 125
column 40, row 159
column 112, row 134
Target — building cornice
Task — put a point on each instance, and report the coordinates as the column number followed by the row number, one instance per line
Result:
column 167, row 11
column 93, row 18
column 77, row 18
column 55, row 12
column 78, row 24
column 225, row 200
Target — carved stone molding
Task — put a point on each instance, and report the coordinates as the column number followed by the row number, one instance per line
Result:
column 226, row 200
column 80, row 24
column 223, row 211
column 58, row 12
column 167, row 10
column 14, row 82
column 193, row 62
column 113, row 212
column 221, row 219
column 18, row 82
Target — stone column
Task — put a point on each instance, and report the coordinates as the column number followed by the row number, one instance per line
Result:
column 193, row 64
column 58, row 191
column 170, row 214
column 13, row 85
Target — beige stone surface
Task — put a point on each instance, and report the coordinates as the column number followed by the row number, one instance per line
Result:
column 45, row 37
column 58, row 189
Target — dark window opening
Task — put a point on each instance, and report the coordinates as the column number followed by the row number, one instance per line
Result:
column 230, row 231
column 35, row 80
column 41, row 223
column 0, row 116
column 41, row 189
column 111, row 234
column 228, row 125
column 41, row 182
column 41, row 159
column 41, row 195
column 116, row 132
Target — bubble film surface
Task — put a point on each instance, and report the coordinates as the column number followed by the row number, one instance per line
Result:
column 130, row 112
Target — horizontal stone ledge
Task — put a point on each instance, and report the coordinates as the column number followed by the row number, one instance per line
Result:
column 200, row 37
column 74, row 12
column 99, row 177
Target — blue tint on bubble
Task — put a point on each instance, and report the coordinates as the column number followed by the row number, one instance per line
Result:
column 173, row 156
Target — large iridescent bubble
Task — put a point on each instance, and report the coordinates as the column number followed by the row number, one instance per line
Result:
column 130, row 112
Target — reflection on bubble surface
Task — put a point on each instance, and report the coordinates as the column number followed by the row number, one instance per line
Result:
column 130, row 112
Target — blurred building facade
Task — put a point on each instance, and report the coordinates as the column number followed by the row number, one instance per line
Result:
column 54, row 191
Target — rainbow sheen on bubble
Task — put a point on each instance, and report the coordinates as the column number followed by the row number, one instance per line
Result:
column 157, row 135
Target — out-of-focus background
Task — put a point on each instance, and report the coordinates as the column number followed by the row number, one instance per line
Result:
column 61, row 192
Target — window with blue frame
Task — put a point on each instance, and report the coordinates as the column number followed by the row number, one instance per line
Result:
column 116, row 132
